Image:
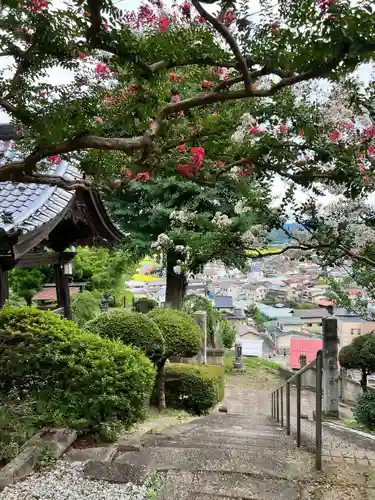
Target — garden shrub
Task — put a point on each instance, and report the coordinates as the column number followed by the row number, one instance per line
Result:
column 227, row 334
column 85, row 307
column 130, row 328
column 182, row 336
column 76, row 378
column 194, row 303
column 144, row 305
column 194, row 388
column 365, row 410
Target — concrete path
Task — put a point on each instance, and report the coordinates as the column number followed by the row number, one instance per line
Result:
column 238, row 455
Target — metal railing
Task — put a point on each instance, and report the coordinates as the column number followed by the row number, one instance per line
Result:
column 277, row 404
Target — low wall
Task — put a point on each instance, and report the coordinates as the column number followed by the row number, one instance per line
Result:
column 350, row 389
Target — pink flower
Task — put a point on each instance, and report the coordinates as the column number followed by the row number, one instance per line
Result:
column 82, row 55
column 99, row 120
column 163, row 23
column 334, row 135
column 173, row 77
column 181, row 148
column 143, row 176
column 254, row 130
column 325, row 4
column 369, row 132
column 348, row 125
column 101, row 69
column 246, row 171
column 371, row 151
column 185, row 170
column 202, row 20
column 56, row 160
column 283, row 129
column 185, row 7
column 39, row 5
column 198, row 155
column 301, row 133
column 227, row 18
column 86, row 13
column 105, row 26
column 109, row 100
column 220, row 164
column 207, row 84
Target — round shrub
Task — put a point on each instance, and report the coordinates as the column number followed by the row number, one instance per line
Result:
column 194, row 388
column 85, row 307
column 76, row 377
column 182, row 336
column 130, row 328
column 365, row 410
column 144, row 305
column 227, row 334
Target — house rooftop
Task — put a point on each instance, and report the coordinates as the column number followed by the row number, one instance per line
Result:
column 223, row 302
column 319, row 312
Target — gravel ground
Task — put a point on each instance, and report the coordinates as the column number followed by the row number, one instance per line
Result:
column 65, row 482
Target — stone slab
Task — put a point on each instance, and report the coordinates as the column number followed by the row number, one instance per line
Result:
column 116, row 472
column 97, row 453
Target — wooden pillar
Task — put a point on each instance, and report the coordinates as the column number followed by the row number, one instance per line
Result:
column 4, row 288
column 62, row 291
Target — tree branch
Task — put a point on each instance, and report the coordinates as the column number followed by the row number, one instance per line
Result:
column 223, row 30
column 96, row 21
column 51, row 180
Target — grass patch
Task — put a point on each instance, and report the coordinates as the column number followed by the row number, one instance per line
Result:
column 353, row 424
column 250, row 364
column 145, row 277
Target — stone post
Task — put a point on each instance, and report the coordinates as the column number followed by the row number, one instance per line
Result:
column 201, row 320
column 238, row 364
column 331, row 394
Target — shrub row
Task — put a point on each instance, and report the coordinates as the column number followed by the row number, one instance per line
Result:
column 76, row 377
column 194, row 388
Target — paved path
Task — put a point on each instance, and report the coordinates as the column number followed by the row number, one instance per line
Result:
column 238, row 455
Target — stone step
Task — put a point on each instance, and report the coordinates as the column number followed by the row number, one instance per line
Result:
column 216, row 485
column 253, row 460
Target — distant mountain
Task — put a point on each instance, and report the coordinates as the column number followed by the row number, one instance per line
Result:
column 279, row 237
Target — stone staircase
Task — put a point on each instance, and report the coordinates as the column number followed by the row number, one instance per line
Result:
column 241, row 454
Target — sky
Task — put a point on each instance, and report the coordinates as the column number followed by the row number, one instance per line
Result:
column 61, row 76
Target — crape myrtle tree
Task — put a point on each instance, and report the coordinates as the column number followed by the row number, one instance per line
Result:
column 121, row 104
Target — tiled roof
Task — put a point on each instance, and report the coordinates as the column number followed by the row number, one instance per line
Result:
column 50, row 293
column 28, row 206
column 223, row 301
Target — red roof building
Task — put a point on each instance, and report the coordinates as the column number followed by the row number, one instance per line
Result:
column 299, row 346
column 50, row 293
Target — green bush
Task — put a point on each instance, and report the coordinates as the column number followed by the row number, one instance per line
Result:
column 194, row 388
column 85, row 307
column 194, row 303
column 130, row 328
column 182, row 336
column 144, row 305
column 76, row 378
column 227, row 334
column 365, row 410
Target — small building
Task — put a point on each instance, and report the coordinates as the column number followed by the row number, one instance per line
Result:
column 301, row 345
column 41, row 224
column 352, row 327
column 253, row 343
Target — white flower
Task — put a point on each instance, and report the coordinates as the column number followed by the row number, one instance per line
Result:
column 221, row 220
column 239, row 207
column 179, row 248
column 177, row 269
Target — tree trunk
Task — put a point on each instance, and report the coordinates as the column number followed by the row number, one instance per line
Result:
column 161, row 384
column 176, row 283
column 29, row 300
column 364, row 380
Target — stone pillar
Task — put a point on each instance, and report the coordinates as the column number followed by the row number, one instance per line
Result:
column 201, row 319
column 331, row 394
column 238, row 364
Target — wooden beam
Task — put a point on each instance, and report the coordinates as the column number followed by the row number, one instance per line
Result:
column 4, row 287
column 44, row 258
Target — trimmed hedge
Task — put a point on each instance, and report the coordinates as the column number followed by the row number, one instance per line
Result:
column 365, row 410
column 182, row 335
column 130, row 328
column 194, row 388
column 85, row 307
column 144, row 305
column 76, row 377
